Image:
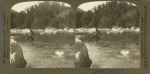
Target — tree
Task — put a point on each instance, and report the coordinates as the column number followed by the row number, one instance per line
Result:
column 19, row 19
column 116, row 12
column 87, row 18
column 97, row 15
column 12, row 16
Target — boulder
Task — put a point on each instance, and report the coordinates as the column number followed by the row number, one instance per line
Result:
column 82, row 59
column 16, row 55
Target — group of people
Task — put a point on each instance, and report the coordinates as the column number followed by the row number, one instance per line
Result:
column 94, row 36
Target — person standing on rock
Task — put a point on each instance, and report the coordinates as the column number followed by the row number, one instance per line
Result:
column 30, row 35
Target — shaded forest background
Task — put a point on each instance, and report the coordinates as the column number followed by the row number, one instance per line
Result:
column 45, row 14
column 55, row 15
column 108, row 15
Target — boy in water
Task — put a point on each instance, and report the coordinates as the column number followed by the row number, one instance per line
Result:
column 30, row 35
column 95, row 36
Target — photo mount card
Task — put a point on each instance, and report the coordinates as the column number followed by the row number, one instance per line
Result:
column 51, row 37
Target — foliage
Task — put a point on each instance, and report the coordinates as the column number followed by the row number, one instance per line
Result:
column 54, row 14
column 113, row 13
column 43, row 15
column 12, row 16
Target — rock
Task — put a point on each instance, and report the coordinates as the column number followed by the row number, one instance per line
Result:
column 82, row 59
column 16, row 55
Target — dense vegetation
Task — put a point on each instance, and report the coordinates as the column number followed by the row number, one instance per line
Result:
column 56, row 15
column 109, row 15
column 43, row 15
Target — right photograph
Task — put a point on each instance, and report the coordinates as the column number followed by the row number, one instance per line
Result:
column 107, row 35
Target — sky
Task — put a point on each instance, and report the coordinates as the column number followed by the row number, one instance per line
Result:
column 23, row 5
column 89, row 5
column 85, row 6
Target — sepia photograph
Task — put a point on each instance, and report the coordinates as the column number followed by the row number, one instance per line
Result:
column 107, row 35
column 42, row 35
column 74, row 36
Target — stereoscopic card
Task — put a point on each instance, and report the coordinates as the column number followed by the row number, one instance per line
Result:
column 62, row 36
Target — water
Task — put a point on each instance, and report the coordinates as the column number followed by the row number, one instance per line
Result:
column 115, row 50
column 48, row 50
column 126, row 37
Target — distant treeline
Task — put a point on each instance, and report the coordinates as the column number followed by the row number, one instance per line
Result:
column 45, row 14
column 108, row 15
column 56, row 15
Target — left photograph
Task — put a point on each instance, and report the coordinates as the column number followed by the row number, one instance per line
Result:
column 42, row 35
